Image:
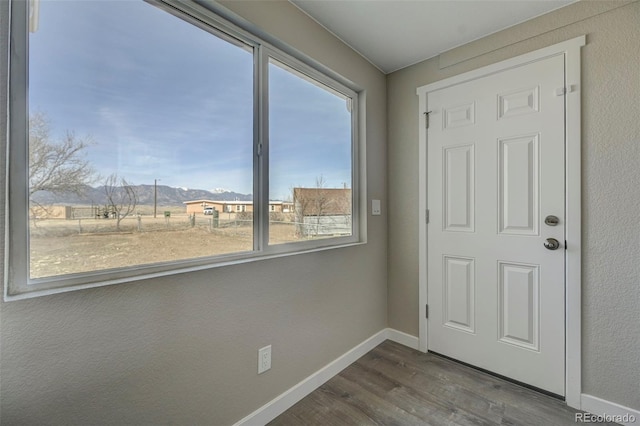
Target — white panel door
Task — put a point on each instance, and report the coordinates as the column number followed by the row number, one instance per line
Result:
column 495, row 172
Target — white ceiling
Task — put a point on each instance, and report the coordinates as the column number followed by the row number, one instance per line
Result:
column 393, row 34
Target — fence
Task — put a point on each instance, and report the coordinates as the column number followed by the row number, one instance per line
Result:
column 313, row 226
column 283, row 227
column 84, row 212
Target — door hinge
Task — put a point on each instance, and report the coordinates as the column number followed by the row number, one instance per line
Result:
column 427, row 216
column 426, row 119
column 561, row 91
column 426, row 311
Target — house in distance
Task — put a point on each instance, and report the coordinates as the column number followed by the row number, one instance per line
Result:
column 316, row 212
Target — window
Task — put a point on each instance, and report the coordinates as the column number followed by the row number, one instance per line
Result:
column 311, row 157
column 136, row 116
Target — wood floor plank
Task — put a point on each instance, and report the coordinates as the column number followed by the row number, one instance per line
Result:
column 396, row 385
column 323, row 407
column 380, row 409
column 428, row 407
column 483, row 384
column 434, row 385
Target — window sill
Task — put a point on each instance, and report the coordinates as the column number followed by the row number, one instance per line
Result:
column 56, row 285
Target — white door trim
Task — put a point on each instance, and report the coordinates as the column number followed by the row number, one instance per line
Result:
column 571, row 51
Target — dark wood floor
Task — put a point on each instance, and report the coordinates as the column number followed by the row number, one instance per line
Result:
column 395, row 385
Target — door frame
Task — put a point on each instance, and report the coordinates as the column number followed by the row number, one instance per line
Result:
column 571, row 49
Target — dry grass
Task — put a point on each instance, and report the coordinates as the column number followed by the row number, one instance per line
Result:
column 59, row 247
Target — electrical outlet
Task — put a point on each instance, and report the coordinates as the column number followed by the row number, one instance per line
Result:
column 264, row 359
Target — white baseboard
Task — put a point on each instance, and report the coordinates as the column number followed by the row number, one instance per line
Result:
column 283, row 402
column 601, row 407
column 619, row 414
column 403, row 338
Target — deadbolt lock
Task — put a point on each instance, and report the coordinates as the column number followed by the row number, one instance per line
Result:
column 551, row 220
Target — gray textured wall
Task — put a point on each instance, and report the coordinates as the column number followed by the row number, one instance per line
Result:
column 183, row 349
column 611, row 180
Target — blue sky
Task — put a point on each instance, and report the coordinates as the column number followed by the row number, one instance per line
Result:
column 163, row 99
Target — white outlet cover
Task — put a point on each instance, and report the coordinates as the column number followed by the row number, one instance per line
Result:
column 264, row 359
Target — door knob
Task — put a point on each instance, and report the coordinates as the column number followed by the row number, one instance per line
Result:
column 552, row 244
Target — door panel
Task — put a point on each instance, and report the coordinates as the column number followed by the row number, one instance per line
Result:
column 519, row 102
column 518, row 166
column 495, row 170
column 459, row 116
column 519, row 304
column 459, row 293
column 458, row 188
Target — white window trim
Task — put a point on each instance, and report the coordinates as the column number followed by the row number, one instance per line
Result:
column 215, row 19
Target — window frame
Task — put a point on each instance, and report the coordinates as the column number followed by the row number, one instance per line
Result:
column 219, row 22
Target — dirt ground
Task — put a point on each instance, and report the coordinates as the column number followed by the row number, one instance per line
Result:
column 59, row 247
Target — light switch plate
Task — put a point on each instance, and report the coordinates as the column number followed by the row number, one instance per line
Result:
column 375, row 207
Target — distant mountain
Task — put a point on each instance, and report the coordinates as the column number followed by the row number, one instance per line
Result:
column 220, row 190
column 166, row 196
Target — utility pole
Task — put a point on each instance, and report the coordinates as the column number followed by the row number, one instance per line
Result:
column 155, row 197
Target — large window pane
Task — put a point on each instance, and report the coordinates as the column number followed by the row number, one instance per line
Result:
column 310, row 158
column 143, row 125
column 140, row 138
